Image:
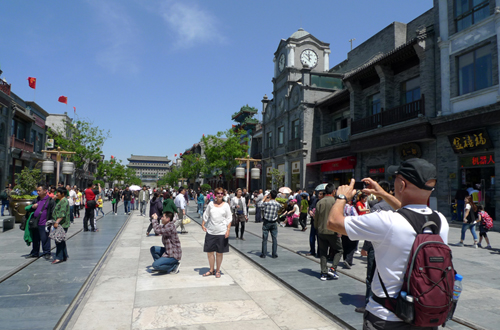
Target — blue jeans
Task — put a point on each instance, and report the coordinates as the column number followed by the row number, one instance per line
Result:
column 200, row 209
column 126, row 205
column 266, row 228
column 472, row 228
column 97, row 209
column 5, row 205
column 71, row 213
column 160, row 263
column 460, row 210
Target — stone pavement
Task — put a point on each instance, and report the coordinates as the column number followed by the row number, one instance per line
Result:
column 479, row 267
column 127, row 295
column 39, row 294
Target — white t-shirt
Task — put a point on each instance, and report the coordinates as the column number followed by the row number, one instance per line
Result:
column 392, row 237
column 296, row 210
column 72, row 197
column 217, row 218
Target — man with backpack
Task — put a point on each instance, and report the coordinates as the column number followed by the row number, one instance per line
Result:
column 394, row 236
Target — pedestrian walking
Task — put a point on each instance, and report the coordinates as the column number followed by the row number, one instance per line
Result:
column 483, row 227
column 115, row 197
column 240, row 213
column 471, row 217
column 126, row 198
column 258, row 206
column 78, row 202
column 390, row 233
column 304, row 208
column 217, row 225
column 313, row 232
column 327, row 238
column 143, row 200
column 71, row 197
column 270, row 208
column 100, row 204
column 61, row 215
column 167, row 258
column 201, row 203
column 180, row 203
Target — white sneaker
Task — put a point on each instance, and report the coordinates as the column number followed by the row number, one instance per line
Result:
column 475, row 246
column 357, row 253
column 116, row 213
column 176, row 269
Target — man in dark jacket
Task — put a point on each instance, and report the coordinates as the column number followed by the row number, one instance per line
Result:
column 43, row 211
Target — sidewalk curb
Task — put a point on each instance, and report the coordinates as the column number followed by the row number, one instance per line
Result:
column 65, row 319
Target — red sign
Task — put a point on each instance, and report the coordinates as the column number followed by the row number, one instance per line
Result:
column 39, row 121
column 380, row 170
column 346, row 163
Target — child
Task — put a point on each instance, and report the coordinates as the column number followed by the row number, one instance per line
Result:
column 482, row 228
column 453, row 210
column 99, row 206
column 132, row 202
column 167, row 258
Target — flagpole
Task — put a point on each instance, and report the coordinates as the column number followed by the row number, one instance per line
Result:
column 34, row 94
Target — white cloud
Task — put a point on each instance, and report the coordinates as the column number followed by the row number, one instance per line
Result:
column 191, row 24
column 118, row 37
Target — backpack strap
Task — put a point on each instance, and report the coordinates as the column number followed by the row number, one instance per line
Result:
column 420, row 221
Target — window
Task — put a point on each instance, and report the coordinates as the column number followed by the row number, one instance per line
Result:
column 410, row 90
column 269, row 140
column 296, row 129
column 39, row 142
column 32, row 136
column 469, row 12
column 475, row 70
column 374, row 104
column 281, row 135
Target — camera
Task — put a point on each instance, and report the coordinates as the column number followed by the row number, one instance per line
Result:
column 359, row 185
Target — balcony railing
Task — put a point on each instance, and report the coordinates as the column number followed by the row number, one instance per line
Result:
column 392, row 116
column 21, row 144
column 293, row 145
column 333, row 138
column 4, row 87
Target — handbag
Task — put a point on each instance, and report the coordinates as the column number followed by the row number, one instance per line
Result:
column 113, row 201
column 33, row 223
column 91, row 204
column 185, row 220
column 233, row 222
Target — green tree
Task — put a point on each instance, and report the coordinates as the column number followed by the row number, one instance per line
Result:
column 222, row 149
column 171, row 178
column 82, row 137
column 192, row 166
column 278, row 179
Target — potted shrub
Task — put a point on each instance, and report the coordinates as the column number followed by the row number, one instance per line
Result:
column 22, row 194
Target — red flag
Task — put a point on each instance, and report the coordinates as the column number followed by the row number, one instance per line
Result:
column 32, row 82
column 74, row 108
column 63, row 99
column 175, row 155
column 181, row 154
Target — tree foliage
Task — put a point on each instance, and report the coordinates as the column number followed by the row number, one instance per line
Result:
column 26, row 183
column 222, row 149
column 192, row 166
column 171, row 178
column 83, row 138
column 113, row 170
column 278, row 178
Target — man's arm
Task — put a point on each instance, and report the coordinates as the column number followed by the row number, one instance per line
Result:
column 374, row 188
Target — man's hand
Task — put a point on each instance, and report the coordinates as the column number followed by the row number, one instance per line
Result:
column 227, row 234
column 347, row 190
column 155, row 216
column 372, row 187
column 55, row 224
column 34, row 205
column 364, row 253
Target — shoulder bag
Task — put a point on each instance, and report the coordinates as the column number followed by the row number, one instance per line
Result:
column 33, row 222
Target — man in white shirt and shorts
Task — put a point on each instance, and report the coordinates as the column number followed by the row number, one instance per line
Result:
column 391, row 234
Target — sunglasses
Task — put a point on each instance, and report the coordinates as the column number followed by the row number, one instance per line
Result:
column 221, row 194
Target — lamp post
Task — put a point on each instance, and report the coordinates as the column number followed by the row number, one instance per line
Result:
column 58, row 154
column 247, row 159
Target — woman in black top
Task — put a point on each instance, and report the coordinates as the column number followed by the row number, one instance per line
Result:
column 471, row 217
column 116, row 196
column 155, row 207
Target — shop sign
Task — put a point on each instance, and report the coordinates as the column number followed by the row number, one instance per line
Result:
column 376, row 170
column 478, row 160
column 471, row 141
column 295, row 167
column 39, row 121
column 281, row 168
column 410, row 150
column 346, row 163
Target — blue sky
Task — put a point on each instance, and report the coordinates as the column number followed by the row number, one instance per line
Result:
column 160, row 73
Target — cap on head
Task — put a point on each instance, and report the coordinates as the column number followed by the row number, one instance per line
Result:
column 417, row 171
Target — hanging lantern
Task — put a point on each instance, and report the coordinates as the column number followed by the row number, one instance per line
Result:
column 68, row 167
column 240, row 172
column 255, row 173
column 48, row 166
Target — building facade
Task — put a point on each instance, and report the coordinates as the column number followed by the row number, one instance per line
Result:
column 5, row 124
column 149, row 168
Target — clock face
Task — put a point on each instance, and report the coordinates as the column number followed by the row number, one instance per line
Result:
column 281, row 62
column 309, row 58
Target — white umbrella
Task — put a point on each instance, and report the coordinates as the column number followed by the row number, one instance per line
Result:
column 285, row 190
column 134, row 187
column 321, row 187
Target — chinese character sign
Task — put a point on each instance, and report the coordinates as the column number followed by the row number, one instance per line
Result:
column 471, row 141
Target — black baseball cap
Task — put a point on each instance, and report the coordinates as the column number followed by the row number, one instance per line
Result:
column 416, row 170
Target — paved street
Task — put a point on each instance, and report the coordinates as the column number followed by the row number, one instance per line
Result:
column 107, row 284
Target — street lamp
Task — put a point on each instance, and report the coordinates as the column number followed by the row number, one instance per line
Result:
column 239, row 169
column 67, row 169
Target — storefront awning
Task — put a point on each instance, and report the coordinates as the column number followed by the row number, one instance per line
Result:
column 337, row 164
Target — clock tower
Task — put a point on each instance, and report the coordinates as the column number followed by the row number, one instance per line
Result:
column 300, row 62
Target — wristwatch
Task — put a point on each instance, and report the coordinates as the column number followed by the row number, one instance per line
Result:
column 341, row 197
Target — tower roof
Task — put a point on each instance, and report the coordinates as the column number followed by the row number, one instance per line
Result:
column 299, row 34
